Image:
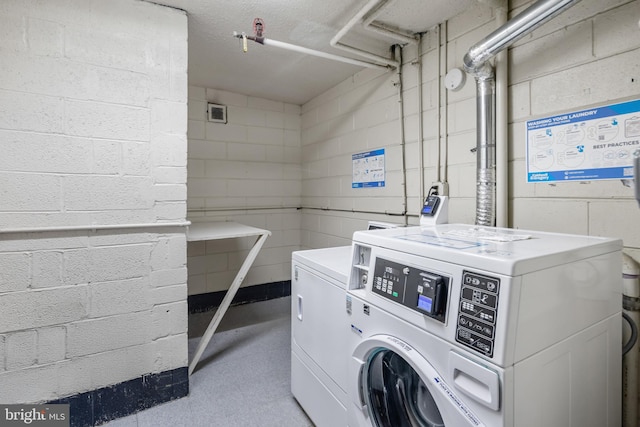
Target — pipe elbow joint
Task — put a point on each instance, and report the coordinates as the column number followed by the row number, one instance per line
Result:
column 467, row 64
column 482, row 71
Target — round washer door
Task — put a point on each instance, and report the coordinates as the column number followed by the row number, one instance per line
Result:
column 400, row 388
column 395, row 394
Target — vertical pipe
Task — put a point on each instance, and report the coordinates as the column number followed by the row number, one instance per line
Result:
column 476, row 62
column 502, row 127
column 486, row 151
column 443, row 101
column 397, row 50
column 420, row 120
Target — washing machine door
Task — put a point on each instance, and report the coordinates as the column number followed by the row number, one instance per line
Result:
column 397, row 387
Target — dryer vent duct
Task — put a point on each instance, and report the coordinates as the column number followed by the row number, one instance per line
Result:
column 476, row 62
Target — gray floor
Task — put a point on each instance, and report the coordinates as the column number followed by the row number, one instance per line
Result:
column 243, row 378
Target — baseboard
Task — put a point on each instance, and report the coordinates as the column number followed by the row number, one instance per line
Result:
column 205, row 302
column 96, row 407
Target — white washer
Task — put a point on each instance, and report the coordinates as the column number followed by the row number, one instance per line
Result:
column 457, row 325
column 319, row 333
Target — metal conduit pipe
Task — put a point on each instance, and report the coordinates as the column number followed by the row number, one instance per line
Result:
column 397, row 50
column 486, row 151
column 476, row 63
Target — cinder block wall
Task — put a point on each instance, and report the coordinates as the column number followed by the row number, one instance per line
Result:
column 360, row 114
column 246, row 170
column 583, row 57
column 93, row 117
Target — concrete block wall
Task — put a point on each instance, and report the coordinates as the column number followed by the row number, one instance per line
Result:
column 93, row 121
column 583, row 57
column 246, row 170
column 360, row 114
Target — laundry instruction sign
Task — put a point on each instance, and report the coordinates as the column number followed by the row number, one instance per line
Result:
column 368, row 169
column 594, row 144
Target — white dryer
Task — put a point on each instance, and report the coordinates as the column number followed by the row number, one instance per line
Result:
column 319, row 333
column 457, row 325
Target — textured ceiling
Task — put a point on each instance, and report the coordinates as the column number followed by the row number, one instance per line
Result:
column 216, row 59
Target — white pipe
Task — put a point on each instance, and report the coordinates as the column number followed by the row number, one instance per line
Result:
column 369, row 24
column 386, row 30
column 94, row 227
column 335, row 41
column 420, row 120
column 502, row 127
column 353, row 21
column 307, row 51
column 318, row 53
column 388, row 62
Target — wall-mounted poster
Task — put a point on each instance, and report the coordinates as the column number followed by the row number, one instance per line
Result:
column 586, row 145
column 368, row 169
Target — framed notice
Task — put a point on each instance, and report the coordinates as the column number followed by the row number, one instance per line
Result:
column 586, row 145
column 368, row 169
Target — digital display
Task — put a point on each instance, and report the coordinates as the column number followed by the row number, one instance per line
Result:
column 391, row 270
column 425, row 303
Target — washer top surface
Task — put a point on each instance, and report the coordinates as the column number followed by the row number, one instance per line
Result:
column 333, row 262
column 500, row 250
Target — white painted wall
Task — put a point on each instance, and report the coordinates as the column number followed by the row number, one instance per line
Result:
column 586, row 56
column 246, row 170
column 360, row 114
column 93, row 119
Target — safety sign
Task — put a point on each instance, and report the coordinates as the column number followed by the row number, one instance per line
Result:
column 586, row 145
column 368, row 169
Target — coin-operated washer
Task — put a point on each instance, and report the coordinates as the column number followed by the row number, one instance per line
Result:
column 460, row 325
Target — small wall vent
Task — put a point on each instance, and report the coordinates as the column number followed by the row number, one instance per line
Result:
column 216, row 113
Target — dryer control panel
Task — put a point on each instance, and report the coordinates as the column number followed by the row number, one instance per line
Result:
column 420, row 290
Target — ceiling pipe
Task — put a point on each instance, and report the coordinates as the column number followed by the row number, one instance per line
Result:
column 369, row 23
column 358, row 17
column 301, row 49
column 476, row 62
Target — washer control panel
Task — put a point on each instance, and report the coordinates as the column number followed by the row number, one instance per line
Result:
column 423, row 291
column 477, row 312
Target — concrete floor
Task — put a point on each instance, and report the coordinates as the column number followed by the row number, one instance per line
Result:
column 243, row 378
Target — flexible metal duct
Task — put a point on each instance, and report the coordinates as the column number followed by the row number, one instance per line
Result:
column 476, row 63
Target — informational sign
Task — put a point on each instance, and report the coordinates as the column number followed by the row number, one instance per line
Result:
column 586, row 145
column 368, row 169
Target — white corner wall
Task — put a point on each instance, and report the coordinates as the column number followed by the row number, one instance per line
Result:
column 246, row 170
column 93, row 120
column 360, row 114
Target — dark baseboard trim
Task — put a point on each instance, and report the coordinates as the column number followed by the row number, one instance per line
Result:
column 206, row 302
column 96, row 407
